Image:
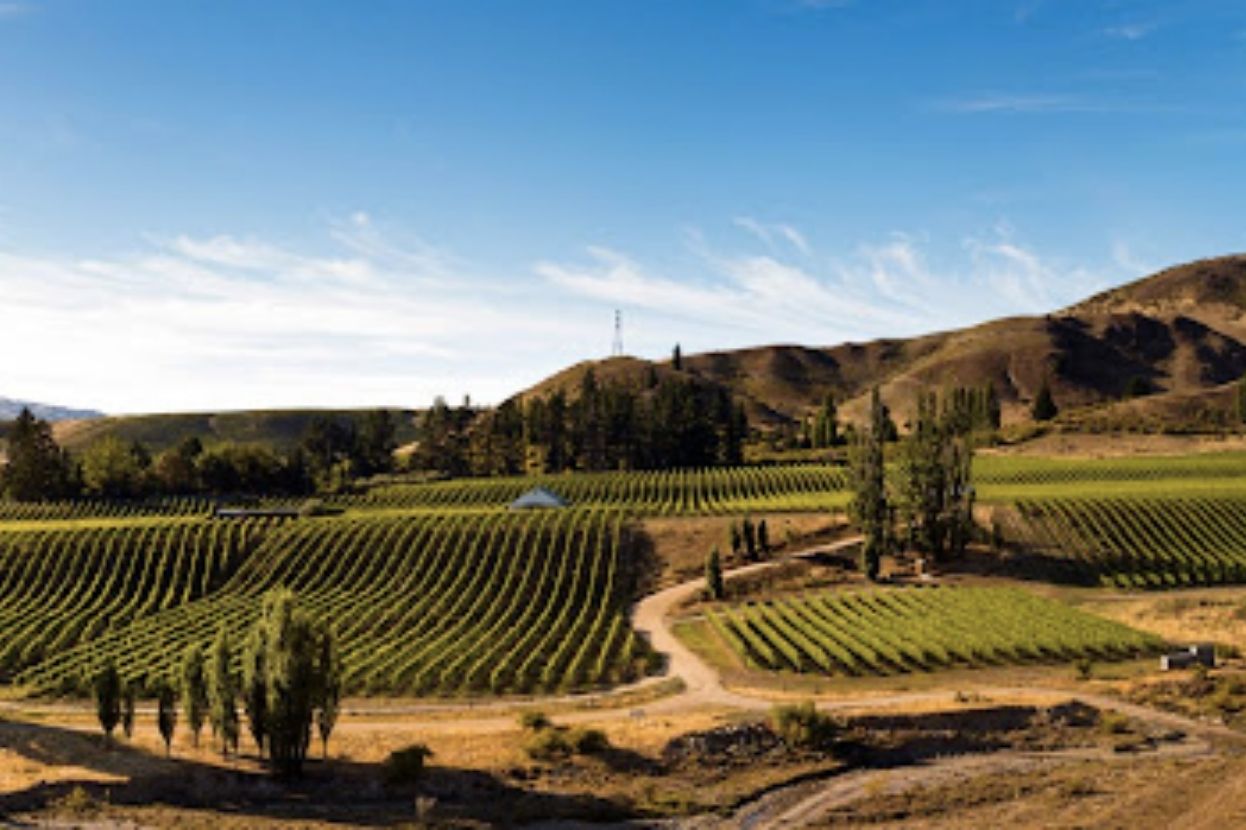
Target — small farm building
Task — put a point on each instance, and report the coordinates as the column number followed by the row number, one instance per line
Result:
column 539, row 498
column 1202, row 654
column 256, row 513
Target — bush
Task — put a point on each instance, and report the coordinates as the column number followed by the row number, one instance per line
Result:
column 802, row 725
column 1085, row 668
column 534, row 721
column 588, row 741
column 560, row 743
column 1113, row 723
column 548, row 745
column 77, row 802
column 406, row 766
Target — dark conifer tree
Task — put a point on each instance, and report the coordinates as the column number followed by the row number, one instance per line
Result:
column 714, row 575
column 166, row 713
column 108, row 694
column 1044, row 408
column 37, row 469
column 870, row 508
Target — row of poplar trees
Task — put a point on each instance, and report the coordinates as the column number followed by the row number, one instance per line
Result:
column 291, row 678
column 928, row 504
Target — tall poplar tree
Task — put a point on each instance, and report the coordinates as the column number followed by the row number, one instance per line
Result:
column 194, row 690
column 714, row 575
column 107, row 687
column 222, row 691
column 166, row 713
column 869, row 507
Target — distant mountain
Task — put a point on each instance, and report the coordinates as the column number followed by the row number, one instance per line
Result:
column 1179, row 336
column 10, row 408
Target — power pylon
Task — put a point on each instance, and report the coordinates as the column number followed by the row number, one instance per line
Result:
column 617, row 349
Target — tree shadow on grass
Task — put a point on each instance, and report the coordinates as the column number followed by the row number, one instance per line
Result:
column 334, row 791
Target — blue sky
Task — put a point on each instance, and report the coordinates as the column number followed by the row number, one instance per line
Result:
column 210, row 205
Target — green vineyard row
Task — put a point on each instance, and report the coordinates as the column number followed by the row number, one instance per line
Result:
column 667, row 492
column 443, row 604
column 1140, row 542
column 918, row 629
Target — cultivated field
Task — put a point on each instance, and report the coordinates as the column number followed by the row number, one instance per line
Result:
column 422, row 604
column 918, row 629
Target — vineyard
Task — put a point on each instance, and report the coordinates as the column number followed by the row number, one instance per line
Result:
column 1140, row 542
column 660, row 493
column 918, row 629
column 104, row 509
column 422, row 605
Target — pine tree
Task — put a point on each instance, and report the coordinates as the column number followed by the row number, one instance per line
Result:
column 194, row 690
column 1044, row 408
column 166, row 715
column 749, row 531
column 222, row 692
column 737, row 540
column 37, row 469
column 763, row 538
column 107, row 689
column 714, row 575
column 869, row 507
column 677, row 359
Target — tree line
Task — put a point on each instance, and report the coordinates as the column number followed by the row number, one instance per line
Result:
column 927, row 504
column 330, row 455
column 663, row 424
column 290, row 680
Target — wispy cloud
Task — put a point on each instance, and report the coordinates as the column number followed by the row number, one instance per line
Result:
column 887, row 288
column 14, row 9
column 1009, row 103
column 370, row 316
column 772, row 232
column 1131, row 31
column 218, row 322
column 1023, row 103
column 1128, row 261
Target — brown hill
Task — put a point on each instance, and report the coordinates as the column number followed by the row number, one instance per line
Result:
column 1180, row 335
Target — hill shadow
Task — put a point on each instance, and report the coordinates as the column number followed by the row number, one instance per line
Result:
column 338, row 792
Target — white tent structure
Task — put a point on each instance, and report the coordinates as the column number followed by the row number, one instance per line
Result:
column 539, row 498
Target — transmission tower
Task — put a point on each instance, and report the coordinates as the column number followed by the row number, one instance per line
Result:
column 617, row 349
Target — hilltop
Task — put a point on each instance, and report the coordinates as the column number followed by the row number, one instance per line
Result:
column 279, row 428
column 1178, row 336
column 1164, row 348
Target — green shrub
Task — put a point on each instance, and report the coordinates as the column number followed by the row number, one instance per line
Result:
column 1113, row 723
column 548, row 745
column 1085, row 668
column 534, row 721
column 406, row 766
column 557, row 743
column 77, row 802
column 588, row 741
column 802, row 725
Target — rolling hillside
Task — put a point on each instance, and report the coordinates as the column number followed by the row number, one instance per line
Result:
column 1180, row 335
column 277, row 428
